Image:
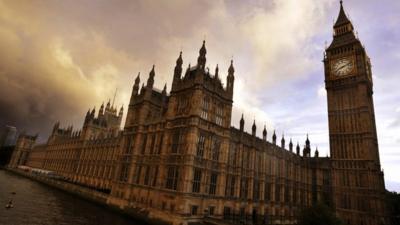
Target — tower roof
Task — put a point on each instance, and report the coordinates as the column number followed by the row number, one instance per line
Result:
column 342, row 18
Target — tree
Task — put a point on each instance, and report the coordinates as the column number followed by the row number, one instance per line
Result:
column 318, row 214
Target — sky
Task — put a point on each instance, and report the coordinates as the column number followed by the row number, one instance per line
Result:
column 60, row 58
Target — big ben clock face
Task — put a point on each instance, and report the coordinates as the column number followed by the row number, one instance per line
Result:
column 342, row 67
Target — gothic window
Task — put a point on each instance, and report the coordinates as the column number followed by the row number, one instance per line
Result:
column 230, row 186
column 227, row 213
column 267, row 191
column 172, row 178
column 160, row 144
column 256, row 190
column 213, row 183
column 194, row 209
column 244, row 187
column 146, row 176
column 286, row 193
column 137, row 174
column 124, row 173
column 110, row 172
column 277, row 193
column 154, row 183
column 211, row 210
column 295, row 200
column 215, row 150
column 232, row 154
column 201, row 145
column 128, row 145
column 177, row 140
column 219, row 115
column 182, row 105
column 144, row 144
column 205, row 106
column 196, row 180
column 153, row 138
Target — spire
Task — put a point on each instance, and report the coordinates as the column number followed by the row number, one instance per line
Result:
column 201, row 60
column 142, row 89
column 265, row 133
column 115, row 94
column 150, row 81
column 230, row 79
column 241, row 123
column 121, row 111
column 297, row 149
column 307, row 142
column 137, row 80
column 291, row 145
column 231, row 70
column 216, row 72
column 253, row 128
column 164, row 91
column 57, row 124
column 93, row 112
column 178, row 67
column 179, row 61
column 135, row 89
column 101, row 111
column 283, row 141
column 274, row 138
column 316, row 154
column 342, row 18
column 108, row 105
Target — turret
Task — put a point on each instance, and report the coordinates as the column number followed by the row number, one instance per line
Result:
column 242, row 123
column 57, row 125
column 216, row 72
column 253, row 128
column 283, row 141
column 121, row 111
column 177, row 71
column 150, row 80
column 135, row 88
column 274, row 138
column 265, row 133
column 201, row 60
column 87, row 117
column 142, row 89
column 297, row 149
column 108, row 105
column 93, row 112
column 316, row 154
column 291, row 145
column 164, row 91
column 230, row 79
column 101, row 111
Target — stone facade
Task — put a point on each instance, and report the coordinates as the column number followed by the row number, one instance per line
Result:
column 179, row 160
column 358, row 181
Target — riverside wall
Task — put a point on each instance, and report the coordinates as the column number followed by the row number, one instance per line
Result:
column 140, row 214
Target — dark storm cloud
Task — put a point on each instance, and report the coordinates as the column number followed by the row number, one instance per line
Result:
column 60, row 57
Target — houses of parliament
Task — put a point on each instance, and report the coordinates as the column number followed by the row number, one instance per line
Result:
column 178, row 160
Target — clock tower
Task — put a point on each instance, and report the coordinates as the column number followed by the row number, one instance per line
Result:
column 358, row 182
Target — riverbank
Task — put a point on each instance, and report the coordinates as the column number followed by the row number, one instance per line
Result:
column 91, row 195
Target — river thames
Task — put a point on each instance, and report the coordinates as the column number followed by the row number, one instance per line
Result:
column 38, row 204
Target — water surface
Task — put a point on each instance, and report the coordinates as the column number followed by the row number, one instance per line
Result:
column 38, row 204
